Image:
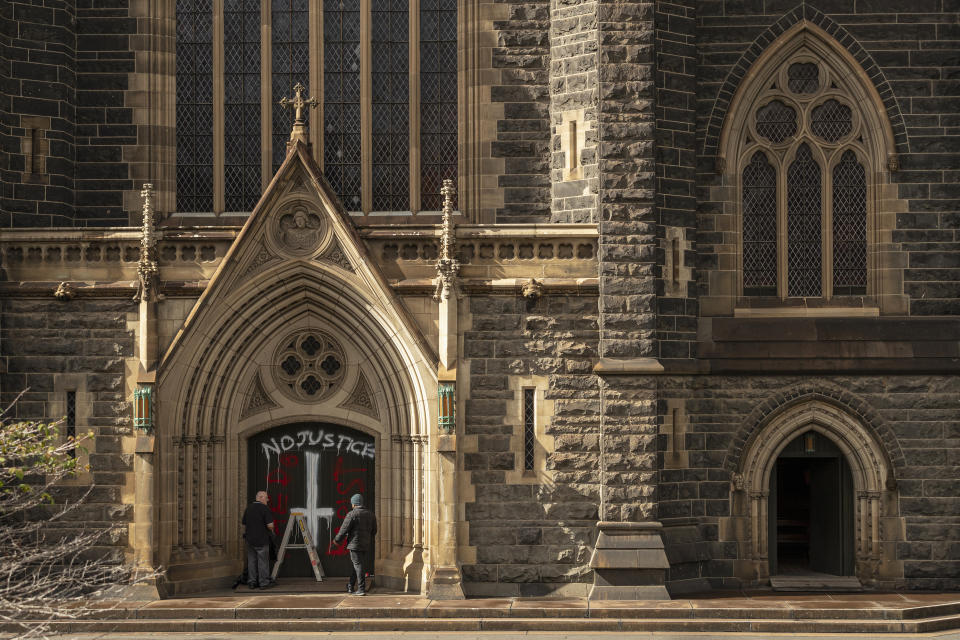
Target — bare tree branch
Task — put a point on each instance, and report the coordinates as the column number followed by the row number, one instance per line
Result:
column 53, row 564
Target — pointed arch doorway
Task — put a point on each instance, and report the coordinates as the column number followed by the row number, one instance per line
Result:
column 317, row 467
column 811, row 509
column 769, row 464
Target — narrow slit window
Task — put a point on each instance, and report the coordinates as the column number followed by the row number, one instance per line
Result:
column 529, row 428
column 71, row 420
column 574, row 152
column 36, row 157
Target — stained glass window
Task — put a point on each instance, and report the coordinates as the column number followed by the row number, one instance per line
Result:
column 776, row 121
column 759, row 227
column 831, row 121
column 803, row 77
column 291, row 64
column 849, row 226
column 804, row 225
column 241, row 92
column 438, row 99
column 194, row 113
column 341, row 99
column 391, row 106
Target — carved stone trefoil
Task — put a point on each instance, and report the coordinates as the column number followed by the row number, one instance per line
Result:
column 147, row 271
column 262, row 257
column 257, row 398
column 334, row 254
column 448, row 267
column 361, row 399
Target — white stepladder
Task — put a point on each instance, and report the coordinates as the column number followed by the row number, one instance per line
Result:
column 297, row 517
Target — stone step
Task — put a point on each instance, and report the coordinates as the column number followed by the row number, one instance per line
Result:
column 710, row 625
column 809, row 583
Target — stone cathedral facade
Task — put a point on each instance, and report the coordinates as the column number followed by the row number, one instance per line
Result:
column 684, row 317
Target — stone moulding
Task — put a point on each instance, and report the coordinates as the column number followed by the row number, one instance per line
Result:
column 193, row 254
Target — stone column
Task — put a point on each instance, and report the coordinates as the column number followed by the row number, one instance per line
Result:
column 446, row 582
column 629, row 561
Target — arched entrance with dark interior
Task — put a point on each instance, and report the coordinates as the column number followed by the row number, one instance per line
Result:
column 813, row 491
column 317, row 467
column 811, row 512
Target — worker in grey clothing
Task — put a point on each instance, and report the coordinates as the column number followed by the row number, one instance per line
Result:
column 359, row 528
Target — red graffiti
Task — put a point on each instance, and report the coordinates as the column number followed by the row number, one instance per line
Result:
column 347, row 483
column 280, row 501
column 278, row 476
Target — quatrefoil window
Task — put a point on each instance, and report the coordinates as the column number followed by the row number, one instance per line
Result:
column 310, row 365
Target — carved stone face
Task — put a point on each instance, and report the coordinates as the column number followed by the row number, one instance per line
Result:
column 300, row 219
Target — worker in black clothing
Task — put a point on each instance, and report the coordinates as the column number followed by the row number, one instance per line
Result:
column 359, row 528
column 258, row 528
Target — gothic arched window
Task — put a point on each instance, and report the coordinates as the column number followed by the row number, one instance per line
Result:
column 386, row 133
column 803, row 186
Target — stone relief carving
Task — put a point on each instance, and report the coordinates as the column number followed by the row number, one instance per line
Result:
column 361, row 398
column 262, row 257
column 737, row 480
column 335, row 255
column 300, row 232
column 64, row 292
column 257, row 398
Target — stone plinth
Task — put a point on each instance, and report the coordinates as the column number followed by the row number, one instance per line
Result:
column 629, row 562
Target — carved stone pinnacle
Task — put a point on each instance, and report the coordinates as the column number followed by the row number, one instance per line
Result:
column 448, row 267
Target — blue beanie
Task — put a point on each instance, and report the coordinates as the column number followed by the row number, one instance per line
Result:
column 357, row 499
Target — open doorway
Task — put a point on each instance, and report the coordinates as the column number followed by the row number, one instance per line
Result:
column 811, row 514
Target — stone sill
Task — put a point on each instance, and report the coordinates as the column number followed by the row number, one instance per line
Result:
column 807, row 312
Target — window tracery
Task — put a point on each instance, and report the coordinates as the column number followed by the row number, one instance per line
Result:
column 309, row 366
column 810, row 239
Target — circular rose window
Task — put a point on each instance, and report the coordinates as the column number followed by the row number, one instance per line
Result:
column 309, row 365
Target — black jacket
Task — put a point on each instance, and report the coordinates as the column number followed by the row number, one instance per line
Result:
column 359, row 527
column 255, row 519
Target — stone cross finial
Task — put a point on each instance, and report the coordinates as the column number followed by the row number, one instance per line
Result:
column 448, row 267
column 147, row 270
column 299, row 131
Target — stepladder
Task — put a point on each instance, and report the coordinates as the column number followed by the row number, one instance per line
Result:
column 298, row 520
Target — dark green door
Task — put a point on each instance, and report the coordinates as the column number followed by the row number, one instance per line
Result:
column 315, row 466
column 826, row 541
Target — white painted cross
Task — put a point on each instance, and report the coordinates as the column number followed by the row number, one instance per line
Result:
column 313, row 511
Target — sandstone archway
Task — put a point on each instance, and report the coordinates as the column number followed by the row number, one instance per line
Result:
column 873, row 486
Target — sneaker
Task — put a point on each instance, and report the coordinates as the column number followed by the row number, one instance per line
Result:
column 360, row 593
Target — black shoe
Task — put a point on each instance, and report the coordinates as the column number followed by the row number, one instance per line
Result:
column 266, row 586
column 252, row 586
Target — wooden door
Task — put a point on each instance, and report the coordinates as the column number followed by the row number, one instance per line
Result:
column 316, row 466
